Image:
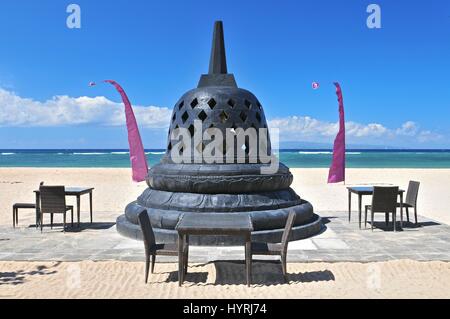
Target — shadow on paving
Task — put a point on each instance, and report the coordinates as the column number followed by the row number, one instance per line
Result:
column 19, row 277
column 327, row 220
column 406, row 225
column 75, row 228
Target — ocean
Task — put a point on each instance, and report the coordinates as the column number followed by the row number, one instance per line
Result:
column 292, row 158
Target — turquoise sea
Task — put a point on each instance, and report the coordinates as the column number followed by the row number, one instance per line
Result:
column 292, row 158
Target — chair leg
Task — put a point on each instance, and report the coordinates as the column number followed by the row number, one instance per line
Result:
column 365, row 218
column 14, row 218
column 147, row 266
column 407, row 214
column 186, row 258
column 387, row 219
column 395, row 221
column 415, row 213
column 42, row 220
column 71, row 216
column 64, row 222
column 372, row 218
column 51, row 221
column 153, row 262
column 284, row 265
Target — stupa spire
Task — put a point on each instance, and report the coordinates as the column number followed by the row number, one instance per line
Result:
column 218, row 73
column 218, row 60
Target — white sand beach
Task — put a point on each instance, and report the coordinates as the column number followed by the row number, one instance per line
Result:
column 120, row 279
column 114, row 188
column 114, row 279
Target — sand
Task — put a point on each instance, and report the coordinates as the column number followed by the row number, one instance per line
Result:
column 116, row 279
column 87, row 279
column 114, row 189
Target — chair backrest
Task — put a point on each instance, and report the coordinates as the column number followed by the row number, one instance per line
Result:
column 147, row 230
column 412, row 193
column 53, row 199
column 287, row 230
column 384, row 199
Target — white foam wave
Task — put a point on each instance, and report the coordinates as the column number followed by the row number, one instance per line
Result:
column 6, row 154
column 156, row 153
column 327, row 153
column 314, row 153
column 89, row 153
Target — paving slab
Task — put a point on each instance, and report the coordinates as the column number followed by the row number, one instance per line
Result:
column 340, row 241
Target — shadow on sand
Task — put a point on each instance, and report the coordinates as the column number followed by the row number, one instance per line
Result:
column 19, row 277
column 264, row 273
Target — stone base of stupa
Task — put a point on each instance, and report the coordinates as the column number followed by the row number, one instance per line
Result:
column 268, row 212
column 220, row 188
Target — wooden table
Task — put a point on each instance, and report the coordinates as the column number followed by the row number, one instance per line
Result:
column 213, row 224
column 70, row 191
column 368, row 190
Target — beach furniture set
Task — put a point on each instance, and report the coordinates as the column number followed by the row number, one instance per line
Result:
column 384, row 200
column 211, row 225
column 51, row 200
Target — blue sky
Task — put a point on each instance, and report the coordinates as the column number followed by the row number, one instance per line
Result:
column 396, row 80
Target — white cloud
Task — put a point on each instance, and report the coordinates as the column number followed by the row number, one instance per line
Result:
column 65, row 110
column 307, row 129
column 428, row 136
column 69, row 111
column 408, row 129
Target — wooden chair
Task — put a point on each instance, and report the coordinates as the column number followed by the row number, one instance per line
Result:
column 151, row 247
column 280, row 249
column 411, row 199
column 53, row 201
column 384, row 200
column 16, row 208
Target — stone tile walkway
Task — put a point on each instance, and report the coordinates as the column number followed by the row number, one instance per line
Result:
column 341, row 241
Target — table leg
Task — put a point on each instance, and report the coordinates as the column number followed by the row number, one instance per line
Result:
column 78, row 210
column 401, row 210
column 248, row 259
column 186, row 256
column 38, row 212
column 349, row 206
column 90, row 204
column 395, row 221
column 180, row 259
column 360, row 209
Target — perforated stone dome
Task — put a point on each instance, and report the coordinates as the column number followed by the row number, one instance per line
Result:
column 221, row 108
column 240, row 187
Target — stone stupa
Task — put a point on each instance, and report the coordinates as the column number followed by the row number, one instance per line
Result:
column 207, row 188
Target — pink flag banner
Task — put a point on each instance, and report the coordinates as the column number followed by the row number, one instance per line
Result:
column 137, row 154
column 337, row 169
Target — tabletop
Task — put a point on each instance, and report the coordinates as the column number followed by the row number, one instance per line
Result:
column 211, row 223
column 75, row 190
column 366, row 190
